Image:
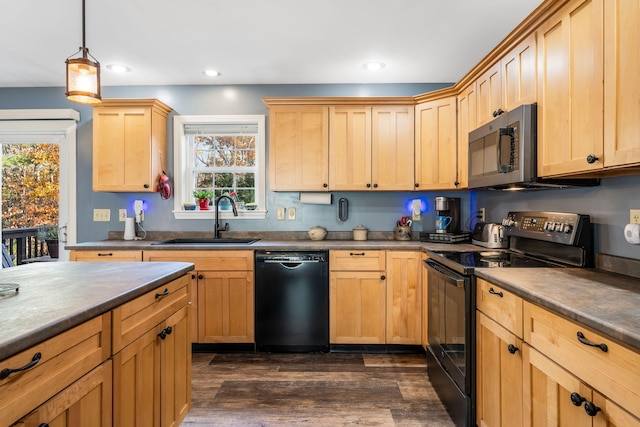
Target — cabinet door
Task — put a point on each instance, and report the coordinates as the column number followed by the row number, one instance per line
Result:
column 225, row 307
column 467, row 121
column 349, row 148
column 612, row 415
column 622, row 85
column 357, row 307
column 425, row 314
column 519, row 69
column 570, row 89
column 87, row 402
column 489, row 86
column 392, row 148
column 498, row 374
column 547, row 394
column 436, row 145
column 175, row 369
column 299, row 148
column 136, row 382
column 106, row 256
column 404, row 302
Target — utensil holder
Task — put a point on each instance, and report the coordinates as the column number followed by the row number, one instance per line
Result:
column 402, row 232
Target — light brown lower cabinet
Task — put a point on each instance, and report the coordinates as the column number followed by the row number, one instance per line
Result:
column 106, row 256
column 404, row 298
column 152, row 376
column 86, row 402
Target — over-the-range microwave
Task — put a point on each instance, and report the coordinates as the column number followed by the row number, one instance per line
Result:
column 503, row 154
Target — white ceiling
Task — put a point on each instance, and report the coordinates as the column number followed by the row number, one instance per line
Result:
column 168, row 42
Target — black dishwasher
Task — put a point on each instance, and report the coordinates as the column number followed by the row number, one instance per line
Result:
column 292, row 301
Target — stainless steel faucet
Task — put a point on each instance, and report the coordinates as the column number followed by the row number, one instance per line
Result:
column 216, row 233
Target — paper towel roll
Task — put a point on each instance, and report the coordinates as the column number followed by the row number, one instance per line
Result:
column 316, row 198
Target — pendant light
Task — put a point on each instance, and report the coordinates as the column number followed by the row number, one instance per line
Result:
column 83, row 74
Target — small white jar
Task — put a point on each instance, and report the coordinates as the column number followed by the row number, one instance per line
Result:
column 360, row 232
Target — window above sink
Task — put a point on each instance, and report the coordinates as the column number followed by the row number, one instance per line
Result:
column 223, row 154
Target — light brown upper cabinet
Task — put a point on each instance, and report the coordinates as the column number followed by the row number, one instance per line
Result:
column 467, row 121
column 129, row 144
column 299, row 148
column 509, row 83
column 436, row 145
column 571, row 90
column 622, row 83
column 371, row 148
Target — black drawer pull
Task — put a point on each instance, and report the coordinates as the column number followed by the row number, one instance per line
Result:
column 107, row 254
column 512, row 348
column 356, row 254
column 164, row 294
column 166, row 331
column 492, row 292
column 584, row 341
column 591, row 409
column 34, row 361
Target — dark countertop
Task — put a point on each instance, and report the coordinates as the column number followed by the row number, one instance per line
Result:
column 606, row 302
column 55, row 297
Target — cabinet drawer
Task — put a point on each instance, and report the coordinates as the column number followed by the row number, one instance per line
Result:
column 614, row 373
column 500, row 305
column 106, row 256
column 207, row 260
column 136, row 317
column 63, row 359
column 357, row 260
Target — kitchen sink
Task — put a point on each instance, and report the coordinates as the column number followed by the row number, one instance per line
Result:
column 206, row 241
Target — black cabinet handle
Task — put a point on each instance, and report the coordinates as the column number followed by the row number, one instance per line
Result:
column 576, row 399
column 383, row 277
column 8, row 371
column 591, row 409
column 592, row 158
column 492, row 292
column 512, row 348
column 193, row 276
column 166, row 331
column 356, row 253
column 368, row 185
column 146, row 186
column 106, row 254
column 456, row 183
column 44, row 425
column 375, row 185
column 325, row 185
column 200, row 276
column 164, row 294
column 498, row 112
column 416, row 185
column 584, row 341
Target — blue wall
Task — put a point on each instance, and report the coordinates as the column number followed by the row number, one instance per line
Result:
column 608, row 204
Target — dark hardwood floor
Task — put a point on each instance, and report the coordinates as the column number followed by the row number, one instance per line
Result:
column 332, row 389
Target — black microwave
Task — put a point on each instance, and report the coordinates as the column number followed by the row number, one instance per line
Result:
column 503, row 155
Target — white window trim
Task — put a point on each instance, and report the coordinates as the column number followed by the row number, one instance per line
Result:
column 182, row 193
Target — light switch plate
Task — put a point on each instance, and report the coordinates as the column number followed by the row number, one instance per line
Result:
column 280, row 214
column 416, row 207
column 291, row 214
column 102, row 215
column 122, row 215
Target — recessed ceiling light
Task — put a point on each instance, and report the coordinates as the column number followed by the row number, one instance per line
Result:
column 211, row 73
column 374, row 66
column 117, row 68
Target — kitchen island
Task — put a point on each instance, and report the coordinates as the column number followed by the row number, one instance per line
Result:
column 76, row 337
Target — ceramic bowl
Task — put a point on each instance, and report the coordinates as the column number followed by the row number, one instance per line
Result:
column 317, row 233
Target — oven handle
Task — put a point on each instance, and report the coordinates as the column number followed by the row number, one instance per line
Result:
column 452, row 277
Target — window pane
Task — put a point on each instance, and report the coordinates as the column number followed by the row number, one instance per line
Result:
column 204, row 180
column 224, row 151
column 246, row 158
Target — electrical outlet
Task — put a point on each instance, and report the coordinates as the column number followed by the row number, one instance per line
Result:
column 481, row 215
column 416, row 207
column 291, row 214
column 634, row 216
column 280, row 215
column 122, row 215
column 102, row 215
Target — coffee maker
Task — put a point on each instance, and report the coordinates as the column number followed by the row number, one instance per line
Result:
column 447, row 207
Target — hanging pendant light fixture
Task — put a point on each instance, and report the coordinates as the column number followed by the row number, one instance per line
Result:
column 83, row 74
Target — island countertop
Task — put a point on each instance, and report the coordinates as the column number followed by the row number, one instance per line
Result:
column 54, row 297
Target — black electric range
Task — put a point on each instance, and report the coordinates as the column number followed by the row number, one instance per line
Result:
column 536, row 239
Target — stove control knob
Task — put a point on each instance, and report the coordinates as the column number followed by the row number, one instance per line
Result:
column 567, row 228
column 508, row 222
column 548, row 225
column 558, row 227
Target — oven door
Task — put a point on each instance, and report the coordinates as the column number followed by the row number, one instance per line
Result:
column 451, row 323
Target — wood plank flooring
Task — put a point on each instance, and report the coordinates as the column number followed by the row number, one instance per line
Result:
column 318, row 389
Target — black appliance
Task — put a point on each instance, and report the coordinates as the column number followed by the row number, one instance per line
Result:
column 503, row 154
column 536, row 239
column 292, row 301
